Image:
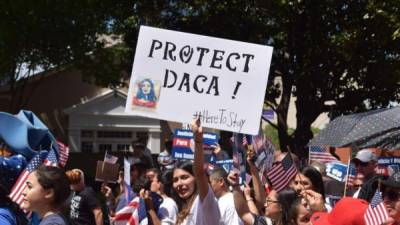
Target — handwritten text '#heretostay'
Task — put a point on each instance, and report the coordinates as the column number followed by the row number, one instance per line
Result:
column 222, row 117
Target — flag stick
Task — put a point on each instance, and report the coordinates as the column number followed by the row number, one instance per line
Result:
column 347, row 177
column 102, row 166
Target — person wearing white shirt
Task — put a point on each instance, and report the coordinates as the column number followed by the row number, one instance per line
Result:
column 168, row 210
column 226, row 202
column 196, row 200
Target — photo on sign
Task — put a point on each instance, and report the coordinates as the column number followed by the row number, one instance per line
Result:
column 146, row 94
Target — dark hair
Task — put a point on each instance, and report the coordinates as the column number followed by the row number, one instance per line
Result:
column 289, row 201
column 368, row 189
column 154, row 170
column 166, row 179
column 184, row 206
column 5, row 202
column 56, row 179
column 141, row 183
column 316, row 179
column 140, row 167
column 150, row 96
column 186, row 166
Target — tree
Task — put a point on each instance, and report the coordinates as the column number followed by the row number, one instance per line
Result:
column 347, row 52
column 342, row 51
column 40, row 35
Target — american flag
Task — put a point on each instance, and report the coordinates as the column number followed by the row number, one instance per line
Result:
column 376, row 212
column 132, row 214
column 110, row 158
column 63, row 152
column 351, row 174
column 282, row 173
column 319, row 154
column 19, row 186
column 51, row 159
column 244, row 140
column 238, row 155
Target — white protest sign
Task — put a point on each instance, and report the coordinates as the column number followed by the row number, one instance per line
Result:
column 177, row 76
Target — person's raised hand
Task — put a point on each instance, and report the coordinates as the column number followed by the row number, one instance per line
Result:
column 233, row 178
column 147, row 199
column 197, row 130
column 106, row 190
column 314, row 200
column 217, row 149
column 247, row 192
column 250, row 160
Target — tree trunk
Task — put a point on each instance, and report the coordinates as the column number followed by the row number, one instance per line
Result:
column 282, row 111
column 307, row 111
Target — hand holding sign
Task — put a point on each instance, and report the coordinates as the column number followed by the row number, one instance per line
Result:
column 197, row 131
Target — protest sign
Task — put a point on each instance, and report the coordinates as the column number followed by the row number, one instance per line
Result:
column 239, row 154
column 107, row 172
column 388, row 165
column 177, row 76
column 227, row 164
column 127, row 171
column 336, row 170
column 264, row 151
column 182, row 145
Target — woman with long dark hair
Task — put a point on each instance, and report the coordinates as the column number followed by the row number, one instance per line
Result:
column 46, row 190
column 145, row 95
column 309, row 181
column 195, row 199
column 308, row 178
column 283, row 208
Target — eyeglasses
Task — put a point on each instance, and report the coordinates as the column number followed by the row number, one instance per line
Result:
column 392, row 195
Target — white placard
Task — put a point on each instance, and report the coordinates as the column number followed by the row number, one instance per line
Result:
column 177, row 76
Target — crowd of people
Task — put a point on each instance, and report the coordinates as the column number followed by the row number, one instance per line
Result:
column 186, row 192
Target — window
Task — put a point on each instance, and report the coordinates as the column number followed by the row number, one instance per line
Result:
column 114, row 134
column 87, row 133
column 123, row 147
column 142, row 135
column 105, row 147
column 87, row 146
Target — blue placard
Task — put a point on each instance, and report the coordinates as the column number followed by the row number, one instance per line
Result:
column 227, row 165
column 388, row 165
column 183, row 140
column 336, row 171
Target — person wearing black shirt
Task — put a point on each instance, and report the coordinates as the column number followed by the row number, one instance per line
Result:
column 84, row 206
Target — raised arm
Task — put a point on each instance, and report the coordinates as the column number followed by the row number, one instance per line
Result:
column 240, row 203
column 259, row 191
column 198, row 169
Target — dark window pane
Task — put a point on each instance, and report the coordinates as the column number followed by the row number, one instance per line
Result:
column 87, row 147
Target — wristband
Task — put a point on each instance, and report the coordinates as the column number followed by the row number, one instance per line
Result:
column 249, row 199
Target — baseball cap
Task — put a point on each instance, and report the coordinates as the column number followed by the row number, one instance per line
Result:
column 348, row 211
column 365, row 155
column 393, row 181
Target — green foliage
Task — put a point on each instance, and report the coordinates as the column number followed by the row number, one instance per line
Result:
column 346, row 51
column 272, row 133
